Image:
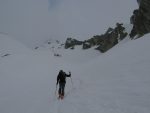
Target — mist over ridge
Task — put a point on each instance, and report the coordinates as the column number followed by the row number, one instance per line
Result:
column 34, row 21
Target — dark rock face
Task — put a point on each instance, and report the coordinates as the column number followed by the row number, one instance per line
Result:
column 141, row 19
column 72, row 42
column 86, row 45
column 107, row 40
column 102, row 42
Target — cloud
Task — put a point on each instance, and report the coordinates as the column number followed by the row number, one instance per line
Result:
column 32, row 21
column 53, row 3
column 84, row 18
column 28, row 20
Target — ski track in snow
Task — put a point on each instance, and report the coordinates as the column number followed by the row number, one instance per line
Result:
column 56, row 105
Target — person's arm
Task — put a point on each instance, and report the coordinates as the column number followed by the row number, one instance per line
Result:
column 57, row 79
column 68, row 75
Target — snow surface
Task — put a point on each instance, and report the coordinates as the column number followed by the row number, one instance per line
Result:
column 115, row 82
column 8, row 45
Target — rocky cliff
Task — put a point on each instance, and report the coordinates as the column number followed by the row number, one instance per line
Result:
column 141, row 19
column 101, row 42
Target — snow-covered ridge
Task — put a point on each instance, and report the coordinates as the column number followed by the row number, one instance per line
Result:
column 76, row 55
column 101, row 43
column 9, row 45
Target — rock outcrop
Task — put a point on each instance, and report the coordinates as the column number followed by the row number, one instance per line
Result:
column 102, row 42
column 70, row 43
column 141, row 19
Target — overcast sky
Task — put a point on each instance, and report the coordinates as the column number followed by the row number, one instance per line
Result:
column 33, row 21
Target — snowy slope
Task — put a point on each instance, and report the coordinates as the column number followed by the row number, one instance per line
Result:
column 10, row 46
column 115, row 82
column 119, row 81
column 76, row 55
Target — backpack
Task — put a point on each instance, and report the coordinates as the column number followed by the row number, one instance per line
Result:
column 62, row 77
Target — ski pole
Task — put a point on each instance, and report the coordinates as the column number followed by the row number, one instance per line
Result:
column 56, row 89
column 71, row 81
column 71, row 78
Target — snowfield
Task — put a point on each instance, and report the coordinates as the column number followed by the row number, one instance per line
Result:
column 8, row 45
column 115, row 82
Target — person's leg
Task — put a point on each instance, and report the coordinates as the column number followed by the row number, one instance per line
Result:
column 60, row 88
column 63, row 89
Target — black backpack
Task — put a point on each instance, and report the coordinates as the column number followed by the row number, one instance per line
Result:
column 62, row 77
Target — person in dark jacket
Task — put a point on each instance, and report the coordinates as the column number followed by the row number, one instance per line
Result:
column 61, row 79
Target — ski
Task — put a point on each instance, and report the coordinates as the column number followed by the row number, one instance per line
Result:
column 60, row 97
